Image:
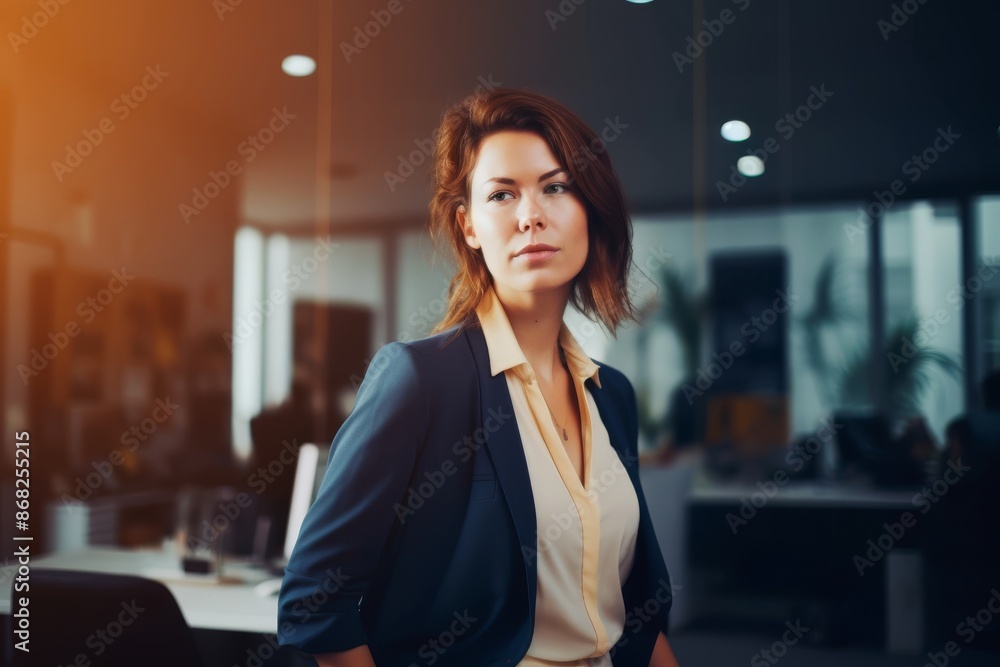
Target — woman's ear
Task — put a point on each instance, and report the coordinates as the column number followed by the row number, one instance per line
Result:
column 466, row 224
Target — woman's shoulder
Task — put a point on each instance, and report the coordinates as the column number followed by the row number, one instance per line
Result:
column 444, row 339
column 447, row 343
column 613, row 379
column 425, row 358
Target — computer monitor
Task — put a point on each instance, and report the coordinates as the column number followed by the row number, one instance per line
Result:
column 863, row 438
column 309, row 473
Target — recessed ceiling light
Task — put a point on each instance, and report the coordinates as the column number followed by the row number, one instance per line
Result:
column 750, row 165
column 639, row 2
column 735, row 130
column 298, row 65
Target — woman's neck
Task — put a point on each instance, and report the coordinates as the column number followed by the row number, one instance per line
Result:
column 536, row 318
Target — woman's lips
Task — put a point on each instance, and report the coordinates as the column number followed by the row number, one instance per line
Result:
column 536, row 256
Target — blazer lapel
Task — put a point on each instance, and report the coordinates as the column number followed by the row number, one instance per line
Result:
column 611, row 418
column 506, row 451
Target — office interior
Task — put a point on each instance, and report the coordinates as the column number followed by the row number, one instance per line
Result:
column 204, row 242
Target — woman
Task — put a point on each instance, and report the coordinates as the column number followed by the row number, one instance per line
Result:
column 482, row 504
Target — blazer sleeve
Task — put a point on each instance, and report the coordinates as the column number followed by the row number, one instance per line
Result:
column 344, row 532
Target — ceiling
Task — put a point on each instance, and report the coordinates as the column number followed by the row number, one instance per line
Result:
column 891, row 93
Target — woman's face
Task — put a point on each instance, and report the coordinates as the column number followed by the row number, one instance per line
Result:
column 520, row 196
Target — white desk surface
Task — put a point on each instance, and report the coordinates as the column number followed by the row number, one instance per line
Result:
column 805, row 494
column 205, row 604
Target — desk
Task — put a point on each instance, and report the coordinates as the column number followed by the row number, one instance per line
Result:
column 205, row 605
column 673, row 493
column 806, row 494
column 792, row 551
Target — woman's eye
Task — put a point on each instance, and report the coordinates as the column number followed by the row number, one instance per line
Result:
column 496, row 196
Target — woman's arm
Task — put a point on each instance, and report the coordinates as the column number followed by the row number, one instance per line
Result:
column 662, row 656
column 359, row 656
column 348, row 525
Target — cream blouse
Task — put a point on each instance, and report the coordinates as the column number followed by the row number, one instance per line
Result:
column 586, row 535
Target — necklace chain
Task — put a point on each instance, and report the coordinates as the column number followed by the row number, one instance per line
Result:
column 562, row 357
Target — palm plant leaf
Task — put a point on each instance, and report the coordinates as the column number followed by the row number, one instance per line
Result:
column 684, row 311
column 828, row 309
column 909, row 368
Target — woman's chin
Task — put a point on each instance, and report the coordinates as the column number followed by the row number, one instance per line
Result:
column 542, row 285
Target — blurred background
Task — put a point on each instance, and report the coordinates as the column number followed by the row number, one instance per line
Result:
column 204, row 240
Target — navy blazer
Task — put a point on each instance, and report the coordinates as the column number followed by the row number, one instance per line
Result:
column 422, row 540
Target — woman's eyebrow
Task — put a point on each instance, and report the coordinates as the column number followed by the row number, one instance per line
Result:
column 511, row 181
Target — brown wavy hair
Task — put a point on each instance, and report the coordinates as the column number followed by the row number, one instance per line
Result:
column 601, row 287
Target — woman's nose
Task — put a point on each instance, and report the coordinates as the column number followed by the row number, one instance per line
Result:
column 529, row 214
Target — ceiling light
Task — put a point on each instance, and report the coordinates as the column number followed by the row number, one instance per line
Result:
column 735, row 130
column 750, row 165
column 298, row 65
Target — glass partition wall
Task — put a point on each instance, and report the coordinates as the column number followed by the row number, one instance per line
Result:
column 796, row 291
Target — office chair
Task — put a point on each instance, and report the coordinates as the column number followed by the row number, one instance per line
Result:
column 114, row 620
